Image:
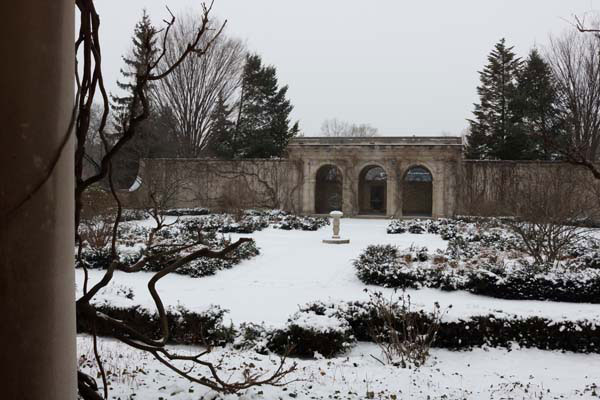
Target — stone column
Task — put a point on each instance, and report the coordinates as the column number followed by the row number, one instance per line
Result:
column 392, row 187
column 437, row 192
column 347, row 192
column 37, row 278
column 308, row 205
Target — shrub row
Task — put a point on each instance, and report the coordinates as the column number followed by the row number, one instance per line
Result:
column 385, row 265
column 181, row 212
column 464, row 334
column 185, row 327
column 253, row 221
column 328, row 330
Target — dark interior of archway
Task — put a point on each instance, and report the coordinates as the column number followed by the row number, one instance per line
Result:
column 328, row 191
column 417, row 193
column 372, row 193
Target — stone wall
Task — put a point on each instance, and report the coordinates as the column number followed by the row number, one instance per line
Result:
column 498, row 187
column 218, row 184
column 457, row 186
column 291, row 183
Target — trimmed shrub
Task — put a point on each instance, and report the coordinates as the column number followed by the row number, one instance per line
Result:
column 304, row 223
column 484, row 259
column 185, row 327
column 181, row 212
column 182, row 232
column 134, row 215
column 309, row 333
column 533, row 332
column 417, row 226
column 385, row 265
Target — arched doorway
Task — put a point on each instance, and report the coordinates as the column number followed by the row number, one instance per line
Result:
column 417, row 192
column 328, row 190
column 372, row 190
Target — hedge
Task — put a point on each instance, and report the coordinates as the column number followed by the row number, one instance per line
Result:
column 387, row 266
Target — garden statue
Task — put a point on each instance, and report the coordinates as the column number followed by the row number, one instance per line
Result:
column 336, row 239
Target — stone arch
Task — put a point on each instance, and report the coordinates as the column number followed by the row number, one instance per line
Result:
column 328, row 189
column 417, row 192
column 372, row 190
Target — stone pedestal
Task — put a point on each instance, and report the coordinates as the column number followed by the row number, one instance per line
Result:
column 336, row 239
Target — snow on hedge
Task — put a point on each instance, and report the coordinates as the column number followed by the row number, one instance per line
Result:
column 295, row 268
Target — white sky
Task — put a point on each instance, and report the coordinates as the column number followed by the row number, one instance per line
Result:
column 406, row 67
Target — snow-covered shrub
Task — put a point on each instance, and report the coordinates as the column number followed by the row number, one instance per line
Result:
column 569, row 286
column 180, row 212
column 364, row 318
column 251, row 336
column 486, row 274
column 224, row 223
column 185, row 327
column 311, row 333
column 204, row 266
column 132, row 247
column 533, row 332
column 205, row 328
column 418, row 226
column 305, row 223
column 134, row 215
column 386, row 265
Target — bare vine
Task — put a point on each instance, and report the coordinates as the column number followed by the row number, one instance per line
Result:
column 90, row 82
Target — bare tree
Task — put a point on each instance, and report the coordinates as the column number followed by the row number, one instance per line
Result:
column 575, row 61
column 546, row 210
column 90, row 81
column 337, row 128
column 189, row 94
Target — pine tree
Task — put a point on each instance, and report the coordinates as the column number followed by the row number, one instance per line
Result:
column 222, row 130
column 495, row 129
column 149, row 141
column 143, row 54
column 263, row 126
column 536, row 103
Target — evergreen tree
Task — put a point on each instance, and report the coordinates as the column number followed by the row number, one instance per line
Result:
column 143, row 54
column 536, row 103
column 222, row 130
column 150, row 141
column 494, row 132
column 263, row 127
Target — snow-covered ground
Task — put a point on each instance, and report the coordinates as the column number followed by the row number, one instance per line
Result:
column 295, row 267
column 478, row 374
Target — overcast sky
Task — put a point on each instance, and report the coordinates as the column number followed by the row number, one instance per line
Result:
column 405, row 67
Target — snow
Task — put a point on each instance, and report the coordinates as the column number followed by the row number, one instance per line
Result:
column 477, row 374
column 295, row 268
column 319, row 323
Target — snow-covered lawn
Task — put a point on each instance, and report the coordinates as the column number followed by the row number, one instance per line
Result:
column 478, row 374
column 295, row 267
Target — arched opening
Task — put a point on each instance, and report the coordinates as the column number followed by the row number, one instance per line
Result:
column 417, row 192
column 328, row 190
column 372, row 192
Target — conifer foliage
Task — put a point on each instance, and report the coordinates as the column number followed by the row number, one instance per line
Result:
column 153, row 139
column 142, row 56
column 537, row 105
column 494, row 132
column 516, row 110
column 221, row 129
column 262, row 128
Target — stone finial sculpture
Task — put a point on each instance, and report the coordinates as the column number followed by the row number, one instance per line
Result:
column 336, row 239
